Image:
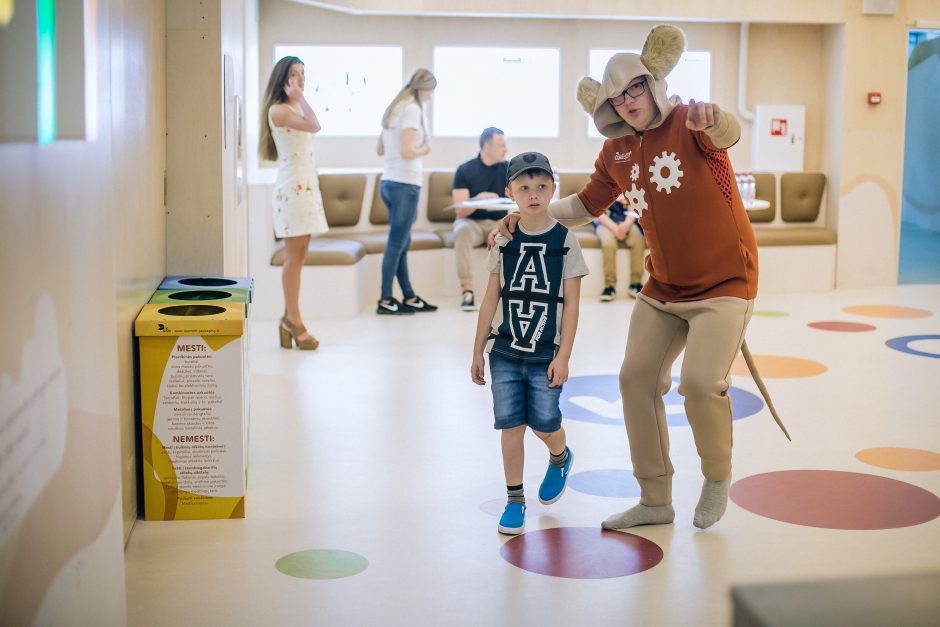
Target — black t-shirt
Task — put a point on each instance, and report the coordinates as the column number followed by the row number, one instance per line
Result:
column 477, row 177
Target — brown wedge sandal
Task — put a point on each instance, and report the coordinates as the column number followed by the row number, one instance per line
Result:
column 290, row 333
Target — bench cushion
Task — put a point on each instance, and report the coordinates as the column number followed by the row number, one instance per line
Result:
column 794, row 236
column 801, row 196
column 374, row 241
column 765, row 188
column 323, row 251
column 342, row 197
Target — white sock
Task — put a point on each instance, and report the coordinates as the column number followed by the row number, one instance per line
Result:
column 712, row 504
column 641, row 515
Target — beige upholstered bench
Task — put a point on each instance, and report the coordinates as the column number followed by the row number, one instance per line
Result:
column 797, row 252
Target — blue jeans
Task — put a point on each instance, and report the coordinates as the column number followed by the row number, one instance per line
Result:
column 521, row 395
column 402, row 202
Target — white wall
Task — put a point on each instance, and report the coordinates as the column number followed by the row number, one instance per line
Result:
column 772, row 49
column 81, row 248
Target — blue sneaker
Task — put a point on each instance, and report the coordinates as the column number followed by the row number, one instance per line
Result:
column 556, row 478
column 512, row 522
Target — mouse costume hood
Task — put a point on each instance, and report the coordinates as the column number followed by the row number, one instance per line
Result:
column 664, row 45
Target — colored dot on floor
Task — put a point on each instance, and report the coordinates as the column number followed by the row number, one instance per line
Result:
column 581, row 553
column 596, row 398
column 900, row 458
column 777, row 367
column 887, row 311
column 495, row 507
column 322, row 564
column 770, row 314
column 835, row 325
column 835, row 500
column 617, row 483
column 903, row 344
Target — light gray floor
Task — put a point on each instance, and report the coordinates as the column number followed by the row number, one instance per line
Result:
column 378, row 443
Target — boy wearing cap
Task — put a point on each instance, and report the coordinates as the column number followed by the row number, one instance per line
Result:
column 528, row 317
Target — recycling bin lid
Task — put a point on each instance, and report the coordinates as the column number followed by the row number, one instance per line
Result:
column 163, row 319
column 219, row 294
column 202, row 282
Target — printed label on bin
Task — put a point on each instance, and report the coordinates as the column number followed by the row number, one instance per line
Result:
column 198, row 417
column 191, row 319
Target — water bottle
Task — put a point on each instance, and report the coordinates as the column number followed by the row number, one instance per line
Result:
column 751, row 187
column 557, row 178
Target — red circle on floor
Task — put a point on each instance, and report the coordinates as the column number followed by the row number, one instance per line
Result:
column 835, row 500
column 581, row 553
column 850, row 327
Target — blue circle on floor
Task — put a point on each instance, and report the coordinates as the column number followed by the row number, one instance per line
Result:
column 903, row 344
column 596, row 398
column 613, row 482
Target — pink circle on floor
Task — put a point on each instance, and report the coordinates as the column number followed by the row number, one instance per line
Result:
column 581, row 553
column 833, row 499
column 887, row 311
column 834, row 325
column 900, row 458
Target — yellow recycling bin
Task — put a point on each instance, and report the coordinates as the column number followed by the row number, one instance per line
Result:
column 192, row 401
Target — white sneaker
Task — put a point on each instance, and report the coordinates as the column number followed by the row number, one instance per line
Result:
column 466, row 301
column 634, row 289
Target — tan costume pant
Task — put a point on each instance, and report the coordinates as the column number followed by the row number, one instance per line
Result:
column 711, row 332
column 634, row 241
column 469, row 234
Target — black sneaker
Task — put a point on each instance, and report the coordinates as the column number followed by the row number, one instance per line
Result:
column 417, row 304
column 393, row 308
column 466, row 301
column 608, row 294
column 634, row 289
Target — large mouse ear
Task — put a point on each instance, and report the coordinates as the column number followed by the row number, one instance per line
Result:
column 587, row 93
column 664, row 45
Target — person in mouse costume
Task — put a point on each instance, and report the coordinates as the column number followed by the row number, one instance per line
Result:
column 670, row 161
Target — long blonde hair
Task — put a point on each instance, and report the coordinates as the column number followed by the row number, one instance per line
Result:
column 273, row 94
column 421, row 79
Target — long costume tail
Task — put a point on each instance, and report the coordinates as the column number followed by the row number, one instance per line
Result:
column 760, row 385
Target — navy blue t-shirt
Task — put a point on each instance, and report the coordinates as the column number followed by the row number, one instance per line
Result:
column 478, row 177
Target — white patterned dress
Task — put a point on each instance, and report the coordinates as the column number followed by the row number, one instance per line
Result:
column 297, row 206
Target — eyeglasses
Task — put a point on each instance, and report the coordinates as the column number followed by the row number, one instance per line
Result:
column 634, row 91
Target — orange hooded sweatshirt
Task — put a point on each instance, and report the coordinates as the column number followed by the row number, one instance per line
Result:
column 699, row 236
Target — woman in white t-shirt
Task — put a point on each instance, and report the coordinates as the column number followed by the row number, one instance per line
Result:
column 403, row 142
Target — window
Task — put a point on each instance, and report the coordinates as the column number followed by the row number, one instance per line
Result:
column 691, row 77
column 348, row 86
column 514, row 89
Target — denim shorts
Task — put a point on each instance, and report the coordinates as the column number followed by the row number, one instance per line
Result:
column 521, row 395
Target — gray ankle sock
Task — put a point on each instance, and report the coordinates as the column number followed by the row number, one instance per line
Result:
column 712, row 504
column 558, row 460
column 515, row 493
column 641, row 515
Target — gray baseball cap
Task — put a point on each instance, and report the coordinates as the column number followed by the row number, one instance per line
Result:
column 528, row 161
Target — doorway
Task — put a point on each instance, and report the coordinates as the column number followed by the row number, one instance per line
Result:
column 919, row 258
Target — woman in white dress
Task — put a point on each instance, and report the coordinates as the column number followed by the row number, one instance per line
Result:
column 403, row 142
column 287, row 127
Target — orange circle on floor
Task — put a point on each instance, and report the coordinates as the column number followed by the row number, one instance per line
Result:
column 777, row 367
column 900, row 458
column 887, row 311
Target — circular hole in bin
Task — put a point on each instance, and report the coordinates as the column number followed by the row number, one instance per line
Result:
column 207, row 282
column 191, row 310
column 200, row 295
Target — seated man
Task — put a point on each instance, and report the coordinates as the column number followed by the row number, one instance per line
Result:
column 618, row 227
column 478, row 179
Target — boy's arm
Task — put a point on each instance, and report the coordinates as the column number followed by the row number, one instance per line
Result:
column 558, row 369
column 484, row 327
